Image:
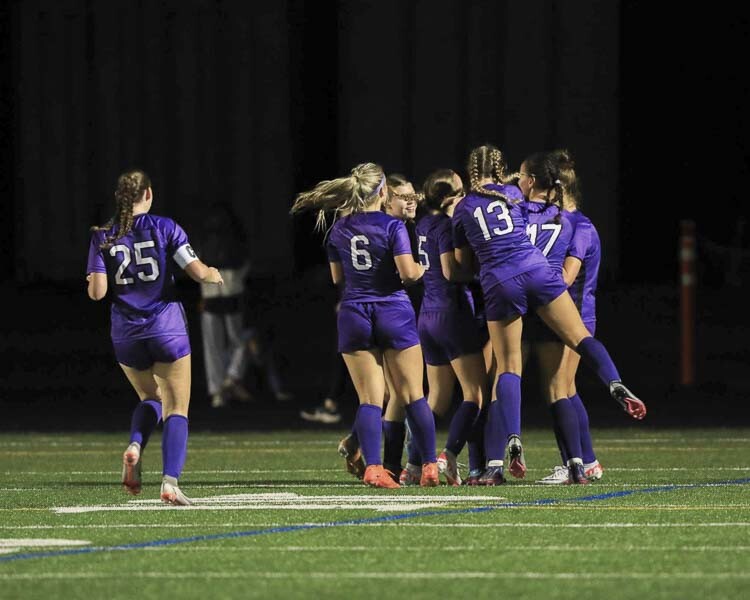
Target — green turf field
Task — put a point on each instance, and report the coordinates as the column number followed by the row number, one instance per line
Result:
column 276, row 516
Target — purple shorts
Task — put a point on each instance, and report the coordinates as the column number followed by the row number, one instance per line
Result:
column 141, row 354
column 446, row 335
column 386, row 324
column 523, row 293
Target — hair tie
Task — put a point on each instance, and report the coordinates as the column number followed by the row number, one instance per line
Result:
column 377, row 189
column 558, row 182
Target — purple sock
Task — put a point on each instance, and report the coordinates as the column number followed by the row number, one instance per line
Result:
column 509, row 398
column 460, row 426
column 146, row 417
column 476, row 441
column 394, row 433
column 566, row 418
column 369, row 432
column 587, row 446
column 414, row 454
column 595, row 355
column 494, row 433
column 559, row 438
column 423, row 429
column 174, row 445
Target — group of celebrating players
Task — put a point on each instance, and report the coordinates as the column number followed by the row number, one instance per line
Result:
column 504, row 263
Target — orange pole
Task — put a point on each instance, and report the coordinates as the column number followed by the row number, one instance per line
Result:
column 687, row 302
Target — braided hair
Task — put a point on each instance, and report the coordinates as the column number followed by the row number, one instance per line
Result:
column 130, row 188
column 544, row 168
column 488, row 161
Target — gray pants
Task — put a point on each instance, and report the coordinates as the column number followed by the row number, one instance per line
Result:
column 224, row 351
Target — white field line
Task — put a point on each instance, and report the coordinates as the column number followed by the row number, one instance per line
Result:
column 473, row 548
column 290, row 501
column 575, row 577
column 601, row 449
column 322, row 470
column 199, row 440
column 244, row 526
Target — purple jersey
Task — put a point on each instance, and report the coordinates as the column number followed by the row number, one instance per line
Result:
column 365, row 244
column 586, row 247
column 435, row 236
column 551, row 237
column 496, row 232
column 140, row 275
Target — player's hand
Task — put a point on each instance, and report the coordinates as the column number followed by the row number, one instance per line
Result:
column 214, row 276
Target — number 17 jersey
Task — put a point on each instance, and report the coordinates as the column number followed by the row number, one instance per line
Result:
column 140, row 269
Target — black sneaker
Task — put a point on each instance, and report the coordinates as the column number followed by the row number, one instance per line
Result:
column 492, row 476
column 630, row 403
column 577, row 474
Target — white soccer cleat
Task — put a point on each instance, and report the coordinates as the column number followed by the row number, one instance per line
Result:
column 172, row 494
column 131, row 469
column 448, row 466
column 593, row 470
column 560, row 476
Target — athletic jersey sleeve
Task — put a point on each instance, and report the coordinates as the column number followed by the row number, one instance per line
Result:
column 177, row 239
column 581, row 240
column 459, row 233
column 95, row 263
column 398, row 238
column 332, row 251
column 444, row 237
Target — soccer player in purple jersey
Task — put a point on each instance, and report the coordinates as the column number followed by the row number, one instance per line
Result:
column 134, row 256
column 451, row 339
column 489, row 224
column 370, row 256
column 551, row 231
column 580, row 272
column 401, row 203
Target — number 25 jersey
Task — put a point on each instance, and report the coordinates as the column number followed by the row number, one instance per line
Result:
column 140, row 269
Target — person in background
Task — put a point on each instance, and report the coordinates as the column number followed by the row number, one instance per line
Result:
column 134, row 257
column 229, row 344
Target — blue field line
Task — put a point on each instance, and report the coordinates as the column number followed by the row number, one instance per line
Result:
column 365, row 521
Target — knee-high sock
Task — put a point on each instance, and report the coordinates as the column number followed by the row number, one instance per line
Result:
column 460, row 427
column 394, row 433
column 476, row 441
column 413, row 451
column 595, row 355
column 509, row 398
column 146, row 417
column 369, row 431
column 566, row 419
column 174, row 445
column 559, row 438
column 423, row 428
column 495, row 435
column 587, row 446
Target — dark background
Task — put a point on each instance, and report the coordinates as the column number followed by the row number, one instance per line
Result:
column 251, row 104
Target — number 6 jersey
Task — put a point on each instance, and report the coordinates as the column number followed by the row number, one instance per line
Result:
column 365, row 244
column 140, row 276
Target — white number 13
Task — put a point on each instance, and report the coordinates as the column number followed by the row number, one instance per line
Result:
column 506, row 222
